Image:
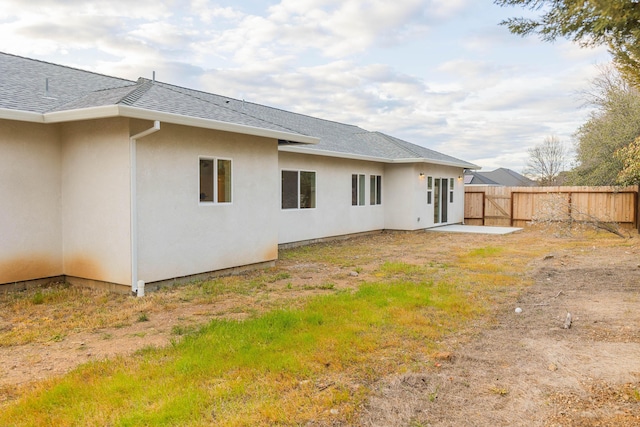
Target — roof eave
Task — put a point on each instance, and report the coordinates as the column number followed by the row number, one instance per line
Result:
column 21, row 115
column 316, row 152
column 140, row 113
column 461, row 164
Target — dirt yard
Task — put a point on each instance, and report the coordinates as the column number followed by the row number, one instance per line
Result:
column 528, row 370
column 510, row 369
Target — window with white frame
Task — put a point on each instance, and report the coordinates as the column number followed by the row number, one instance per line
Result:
column 298, row 189
column 451, row 187
column 215, row 180
column 357, row 189
column 429, row 190
column 375, row 189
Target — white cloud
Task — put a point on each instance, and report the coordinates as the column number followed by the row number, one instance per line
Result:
column 163, row 34
column 436, row 72
column 335, row 28
column 209, row 12
column 446, row 9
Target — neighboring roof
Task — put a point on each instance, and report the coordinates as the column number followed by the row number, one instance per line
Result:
column 502, row 176
column 41, row 91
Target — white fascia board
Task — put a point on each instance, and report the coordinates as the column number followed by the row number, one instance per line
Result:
column 82, row 114
column 315, row 152
column 20, row 115
column 178, row 119
column 465, row 165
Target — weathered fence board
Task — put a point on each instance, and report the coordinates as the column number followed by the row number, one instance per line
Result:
column 516, row 206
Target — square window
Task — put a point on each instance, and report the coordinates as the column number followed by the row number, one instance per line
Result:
column 298, row 190
column 215, row 180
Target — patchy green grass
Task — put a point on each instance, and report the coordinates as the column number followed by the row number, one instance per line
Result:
column 247, row 285
column 341, row 253
column 262, row 371
column 311, row 359
column 395, row 268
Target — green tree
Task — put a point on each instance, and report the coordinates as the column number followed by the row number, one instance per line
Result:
column 614, row 23
column 613, row 125
column 630, row 158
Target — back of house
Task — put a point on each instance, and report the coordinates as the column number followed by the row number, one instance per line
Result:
column 109, row 182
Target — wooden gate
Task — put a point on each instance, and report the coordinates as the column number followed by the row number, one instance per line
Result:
column 487, row 207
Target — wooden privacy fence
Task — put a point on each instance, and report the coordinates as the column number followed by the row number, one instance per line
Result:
column 515, row 206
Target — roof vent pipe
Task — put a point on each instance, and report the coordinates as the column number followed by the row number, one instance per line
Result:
column 154, row 77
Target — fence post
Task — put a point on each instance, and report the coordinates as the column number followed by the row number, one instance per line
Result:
column 570, row 211
column 511, row 211
column 637, row 204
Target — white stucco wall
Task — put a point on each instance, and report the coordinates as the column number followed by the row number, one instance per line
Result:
column 95, row 200
column 334, row 214
column 178, row 235
column 407, row 193
column 66, row 208
column 30, row 221
column 402, row 206
column 455, row 210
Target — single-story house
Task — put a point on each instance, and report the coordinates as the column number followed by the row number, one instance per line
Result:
column 108, row 182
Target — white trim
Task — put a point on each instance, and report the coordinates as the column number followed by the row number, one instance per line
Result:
column 141, row 113
column 82, row 114
column 216, row 190
column 24, row 116
column 316, row 152
column 179, row 119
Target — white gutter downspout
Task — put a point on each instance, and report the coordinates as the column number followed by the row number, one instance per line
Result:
column 134, row 206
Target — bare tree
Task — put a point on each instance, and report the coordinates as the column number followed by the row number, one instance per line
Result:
column 558, row 215
column 547, row 160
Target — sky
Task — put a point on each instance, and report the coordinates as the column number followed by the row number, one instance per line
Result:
column 439, row 73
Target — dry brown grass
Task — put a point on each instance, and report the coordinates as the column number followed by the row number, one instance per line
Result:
column 500, row 265
column 54, row 312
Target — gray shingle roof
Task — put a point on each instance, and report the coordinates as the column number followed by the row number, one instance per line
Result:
column 334, row 137
column 501, row 176
column 23, row 82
